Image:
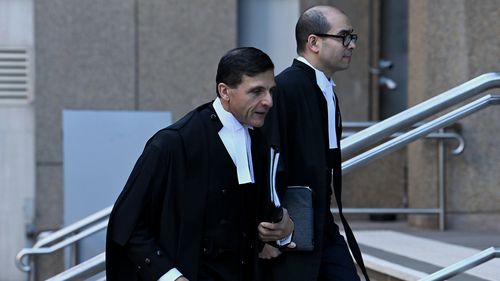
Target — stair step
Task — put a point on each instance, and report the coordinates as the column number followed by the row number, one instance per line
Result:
column 392, row 255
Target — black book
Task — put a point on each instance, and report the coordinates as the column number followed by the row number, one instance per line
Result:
column 298, row 202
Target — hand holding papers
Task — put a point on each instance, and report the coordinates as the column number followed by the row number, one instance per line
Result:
column 278, row 226
column 298, row 202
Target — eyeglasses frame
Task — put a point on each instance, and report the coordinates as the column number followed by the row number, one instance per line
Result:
column 352, row 37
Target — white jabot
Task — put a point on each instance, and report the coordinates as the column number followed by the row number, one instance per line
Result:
column 326, row 85
column 236, row 139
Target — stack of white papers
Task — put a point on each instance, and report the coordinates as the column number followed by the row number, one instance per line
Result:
column 275, row 156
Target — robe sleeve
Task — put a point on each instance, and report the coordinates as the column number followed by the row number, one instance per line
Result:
column 132, row 226
column 276, row 133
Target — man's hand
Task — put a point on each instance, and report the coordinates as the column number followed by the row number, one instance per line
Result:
column 182, row 278
column 276, row 231
column 270, row 252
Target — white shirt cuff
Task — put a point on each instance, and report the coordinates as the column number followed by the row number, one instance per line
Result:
column 171, row 275
column 285, row 240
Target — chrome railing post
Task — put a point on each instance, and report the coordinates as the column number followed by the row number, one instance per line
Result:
column 441, row 183
column 73, row 255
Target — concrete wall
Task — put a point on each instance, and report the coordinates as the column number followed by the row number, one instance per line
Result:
column 85, row 60
column 118, row 54
column 451, row 42
column 17, row 169
column 273, row 32
column 179, row 47
column 17, row 144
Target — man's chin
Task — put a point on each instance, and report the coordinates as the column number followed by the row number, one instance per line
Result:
column 344, row 66
column 258, row 123
column 258, row 120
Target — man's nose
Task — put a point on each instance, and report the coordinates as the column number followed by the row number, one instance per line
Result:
column 352, row 45
column 268, row 100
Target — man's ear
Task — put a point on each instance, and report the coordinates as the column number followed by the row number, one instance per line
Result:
column 223, row 91
column 313, row 43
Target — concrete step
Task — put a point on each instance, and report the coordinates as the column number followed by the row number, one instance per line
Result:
column 393, row 255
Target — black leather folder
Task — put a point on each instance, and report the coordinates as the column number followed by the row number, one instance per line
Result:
column 298, row 202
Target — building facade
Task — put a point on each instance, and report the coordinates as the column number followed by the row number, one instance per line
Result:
column 161, row 55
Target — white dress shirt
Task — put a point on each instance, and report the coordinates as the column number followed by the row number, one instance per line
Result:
column 326, row 85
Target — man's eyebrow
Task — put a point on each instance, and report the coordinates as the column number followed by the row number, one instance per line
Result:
column 345, row 31
column 258, row 87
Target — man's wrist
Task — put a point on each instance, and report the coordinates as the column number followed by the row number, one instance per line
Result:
column 291, row 226
column 285, row 241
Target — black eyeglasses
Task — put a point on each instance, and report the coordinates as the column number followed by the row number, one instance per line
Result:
column 346, row 38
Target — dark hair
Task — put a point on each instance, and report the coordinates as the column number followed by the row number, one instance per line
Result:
column 241, row 61
column 310, row 22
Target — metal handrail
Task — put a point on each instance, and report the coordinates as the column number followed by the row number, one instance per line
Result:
column 440, row 135
column 83, row 270
column 464, row 265
column 418, row 132
column 434, row 135
column 404, row 139
column 58, row 239
column 419, row 112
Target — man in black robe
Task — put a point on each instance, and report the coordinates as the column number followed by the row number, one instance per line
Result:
column 191, row 206
column 305, row 122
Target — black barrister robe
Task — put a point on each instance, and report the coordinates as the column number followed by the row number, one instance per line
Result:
column 297, row 123
column 157, row 221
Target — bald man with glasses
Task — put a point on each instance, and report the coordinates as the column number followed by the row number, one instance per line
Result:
column 306, row 125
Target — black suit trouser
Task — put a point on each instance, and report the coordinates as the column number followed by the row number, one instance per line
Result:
column 336, row 261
